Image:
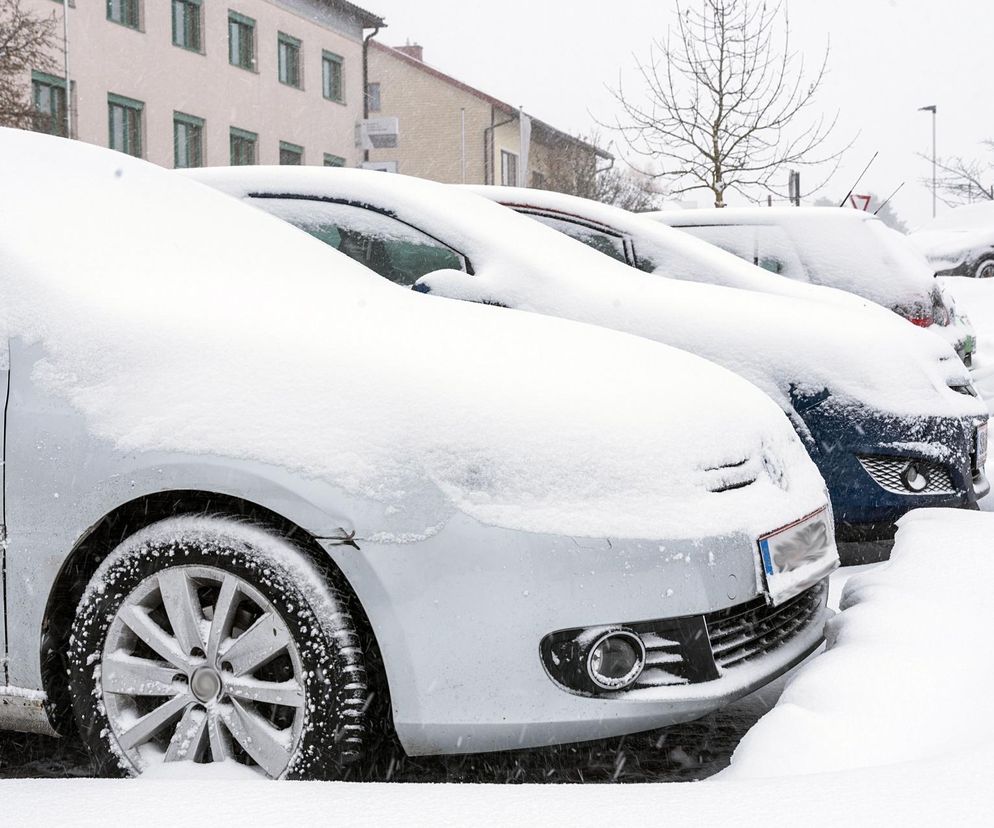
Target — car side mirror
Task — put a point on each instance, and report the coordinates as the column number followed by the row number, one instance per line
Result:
column 455, row 284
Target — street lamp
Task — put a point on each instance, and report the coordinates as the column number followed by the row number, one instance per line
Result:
column 931, row 109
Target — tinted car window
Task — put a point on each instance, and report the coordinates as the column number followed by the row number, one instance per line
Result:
column 610, row 244
column 393, row 249
column 765, row 245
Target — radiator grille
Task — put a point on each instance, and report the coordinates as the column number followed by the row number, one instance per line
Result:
column 886, row 472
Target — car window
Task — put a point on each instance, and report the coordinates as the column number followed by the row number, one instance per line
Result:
column 767, row 246
column 611, row 244
column 395, row 250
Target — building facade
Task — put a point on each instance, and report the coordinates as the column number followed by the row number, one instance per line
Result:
column 210, row 82
column 451, row 132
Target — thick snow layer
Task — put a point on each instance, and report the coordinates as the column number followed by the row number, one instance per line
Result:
column 950, row 791
column 957, row 235
column 841, row 248
column 906, row 676
column 176, row 319
column 775, row 341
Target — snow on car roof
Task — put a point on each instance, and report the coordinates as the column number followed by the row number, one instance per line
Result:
column 967, row 217
column 775, row 342
column 848, row 249
column 178, row 320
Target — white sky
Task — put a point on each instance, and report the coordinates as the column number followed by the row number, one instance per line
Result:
column 889, row 57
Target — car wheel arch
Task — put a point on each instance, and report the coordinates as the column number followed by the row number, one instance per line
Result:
column 101, row 538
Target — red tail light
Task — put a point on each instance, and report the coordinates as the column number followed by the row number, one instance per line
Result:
column 921, row 321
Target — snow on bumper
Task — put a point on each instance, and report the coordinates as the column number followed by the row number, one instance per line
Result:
column 460, row 617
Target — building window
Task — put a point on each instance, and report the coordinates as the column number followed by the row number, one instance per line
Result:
column 124, row 117
column 332, row 86
column 291, row 155
column 187, row 25
column 48, row 94
column 241, row 40
column 188, row 141
column 288, row 59
column 333, row 160
column 243, row 147
column 125, row 12
column 508, row 169
column 373, row 96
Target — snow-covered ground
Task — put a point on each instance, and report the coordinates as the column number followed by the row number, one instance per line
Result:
column 893, row 725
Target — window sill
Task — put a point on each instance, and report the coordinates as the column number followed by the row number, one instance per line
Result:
column 292, row 86
column 251, row 69
column 334, row 100
column 138, row 28
column 190, row 49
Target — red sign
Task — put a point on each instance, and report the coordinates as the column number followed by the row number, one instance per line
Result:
column 860, row 202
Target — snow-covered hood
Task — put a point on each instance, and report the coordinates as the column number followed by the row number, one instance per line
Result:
column 176, row 319
column 868, row 356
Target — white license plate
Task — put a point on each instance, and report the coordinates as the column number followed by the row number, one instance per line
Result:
column 799, row 555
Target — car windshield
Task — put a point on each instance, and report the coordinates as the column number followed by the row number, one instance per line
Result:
column 389, row 247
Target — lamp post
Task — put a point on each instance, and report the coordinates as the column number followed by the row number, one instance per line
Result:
column 65, row 63
column 932, row 109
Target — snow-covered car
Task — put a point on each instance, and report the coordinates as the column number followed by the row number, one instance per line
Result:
column 960, row 242
column 887, row 411
column 258, row 501
column 841, row 248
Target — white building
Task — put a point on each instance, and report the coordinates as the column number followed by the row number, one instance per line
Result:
column 211, row 82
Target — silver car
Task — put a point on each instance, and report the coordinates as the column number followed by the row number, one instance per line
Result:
column 258, row 501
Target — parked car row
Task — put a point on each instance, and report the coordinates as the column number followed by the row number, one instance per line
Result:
column 262, row 498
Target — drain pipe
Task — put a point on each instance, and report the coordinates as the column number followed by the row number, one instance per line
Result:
column 365, row 80
column 65, row 65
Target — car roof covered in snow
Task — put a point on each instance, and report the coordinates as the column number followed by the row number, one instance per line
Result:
column 848, row 249
column 177, row 320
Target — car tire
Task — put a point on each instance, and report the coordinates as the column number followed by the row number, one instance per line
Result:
column 210, row 639
column 984, row 269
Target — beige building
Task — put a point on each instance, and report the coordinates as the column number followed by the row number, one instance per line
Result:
column 450, row 132
column 210, row 82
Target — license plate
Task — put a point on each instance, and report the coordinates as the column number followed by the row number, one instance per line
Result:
column 799, row 555
column 980, row 446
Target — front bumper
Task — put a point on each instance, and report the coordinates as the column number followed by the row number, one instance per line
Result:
column 844, row 442
column 459, row 618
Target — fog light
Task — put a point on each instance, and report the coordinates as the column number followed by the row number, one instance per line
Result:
column 616, row 660
column 913, row 478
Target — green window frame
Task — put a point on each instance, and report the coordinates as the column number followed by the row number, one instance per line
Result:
column 333, row 160
column 291, row 155
column 125, row 12
column 124, row 124
column 188, row 141
column 48, row 96
column 332, row 76
column 244, row 147
column 288, row 60
column 188, row 25
column 241, row 41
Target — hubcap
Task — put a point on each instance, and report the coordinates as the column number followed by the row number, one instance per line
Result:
column 199, row 666
column 205, row 684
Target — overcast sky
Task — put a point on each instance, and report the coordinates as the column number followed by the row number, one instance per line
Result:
column 888, row 57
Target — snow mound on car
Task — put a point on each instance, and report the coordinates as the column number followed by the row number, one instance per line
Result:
column 176, row 319
column 868, row 357
column 907, row 674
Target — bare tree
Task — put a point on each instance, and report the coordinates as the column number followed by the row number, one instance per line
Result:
column 571, row 168
column 723, row 109
column 962, row 180
column 27, row 42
